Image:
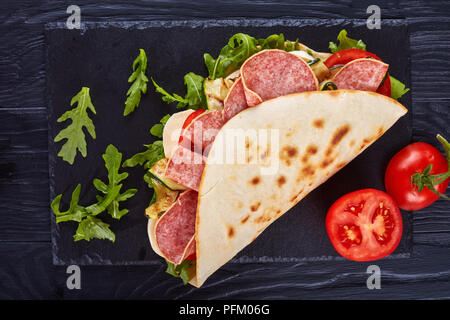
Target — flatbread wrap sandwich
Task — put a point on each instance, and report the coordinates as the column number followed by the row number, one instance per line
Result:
column 275, row 128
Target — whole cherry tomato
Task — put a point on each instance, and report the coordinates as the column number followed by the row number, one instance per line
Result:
column 409, row 172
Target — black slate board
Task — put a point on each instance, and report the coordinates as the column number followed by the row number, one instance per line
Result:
column 100, row 57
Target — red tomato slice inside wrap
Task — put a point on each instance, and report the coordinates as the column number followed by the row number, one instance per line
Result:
column 273, row 73
column 188, row 121
column 175, row 229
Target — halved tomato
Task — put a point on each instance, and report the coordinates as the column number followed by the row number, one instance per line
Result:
column 364, row 225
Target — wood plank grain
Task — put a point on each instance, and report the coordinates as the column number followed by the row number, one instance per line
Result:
column 24, row 188
column 26, row 271
column 430, row 58
column 22, row 65
column 25, row 268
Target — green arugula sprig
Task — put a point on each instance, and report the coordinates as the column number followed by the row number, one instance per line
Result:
column 157, row 129
column 239, row 48
column 195, row 96
column 426, row 180
column 139, row 85
column 113, row 160
column 74, row 132
column 89, row 225
column 154, row 153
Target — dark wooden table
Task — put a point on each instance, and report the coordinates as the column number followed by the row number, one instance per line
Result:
column 26, row 269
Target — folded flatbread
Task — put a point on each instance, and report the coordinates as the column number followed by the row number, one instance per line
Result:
column 292, row 144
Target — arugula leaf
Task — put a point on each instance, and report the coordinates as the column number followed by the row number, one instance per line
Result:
column 139, row 85
column 397, row 88
column 113, row 159
column 74, row 132
column 169, row 98
column 75, row 211
column 157, row 129
column 194, row 98
column 195, row 94
column 148, row 158
column 346, row 43
column 92, row 227
column 184, row 270
column 239, row 48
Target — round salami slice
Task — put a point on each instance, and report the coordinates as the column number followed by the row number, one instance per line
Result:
column 273, row 73
column 361, row 74
column 235, row 101
column 175, row 229
column 202, row 131
column 186, row 167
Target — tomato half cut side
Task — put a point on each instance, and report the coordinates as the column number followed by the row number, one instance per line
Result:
column 364, row 225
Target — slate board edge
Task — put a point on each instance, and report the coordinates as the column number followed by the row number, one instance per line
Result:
column 244, row 22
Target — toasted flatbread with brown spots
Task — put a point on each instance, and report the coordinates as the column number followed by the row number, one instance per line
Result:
column 284, row 148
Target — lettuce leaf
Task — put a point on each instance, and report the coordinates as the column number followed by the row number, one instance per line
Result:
column 184, row 270
column 346, row 43
column 397, row 88
column 277, row 41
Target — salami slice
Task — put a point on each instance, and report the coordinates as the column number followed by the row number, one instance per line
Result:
column 361, row 74
column 175, row 229
column 273, row 73
column 235, row 101
column 202, row 131
column 186, row 167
